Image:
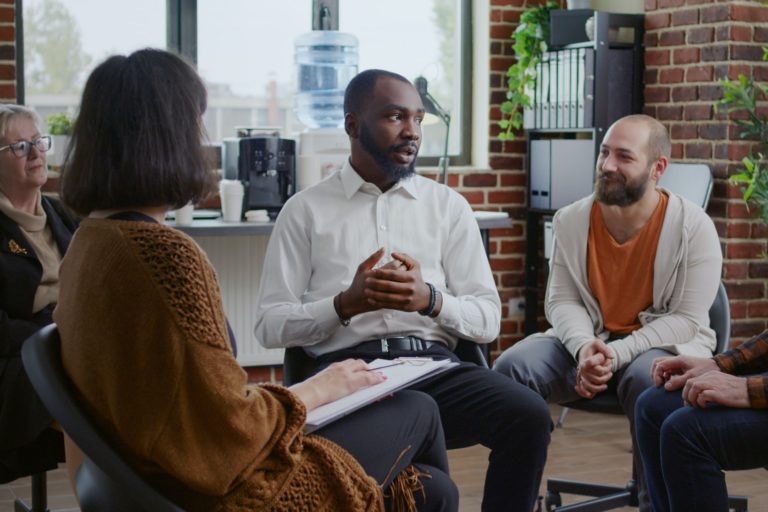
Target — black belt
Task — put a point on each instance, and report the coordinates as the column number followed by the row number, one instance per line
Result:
column 384, row 345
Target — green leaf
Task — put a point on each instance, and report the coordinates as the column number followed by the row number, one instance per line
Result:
column 529, row 42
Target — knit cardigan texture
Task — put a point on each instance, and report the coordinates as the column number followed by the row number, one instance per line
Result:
column 145, row 343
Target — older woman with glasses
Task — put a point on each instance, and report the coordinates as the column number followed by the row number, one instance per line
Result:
column 34, row 234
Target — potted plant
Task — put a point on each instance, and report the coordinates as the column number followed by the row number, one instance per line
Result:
column 741, row 96
column 530, row 43
column 59, row 128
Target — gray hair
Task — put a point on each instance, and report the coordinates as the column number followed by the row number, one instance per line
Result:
column 10, row 111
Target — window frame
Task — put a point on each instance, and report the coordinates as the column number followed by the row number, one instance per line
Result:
column 181, row 37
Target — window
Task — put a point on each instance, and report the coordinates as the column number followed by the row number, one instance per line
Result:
column 64, row 41
column 244, row 50
column 245, row 53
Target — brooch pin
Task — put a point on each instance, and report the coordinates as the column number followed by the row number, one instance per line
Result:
column 16, row 248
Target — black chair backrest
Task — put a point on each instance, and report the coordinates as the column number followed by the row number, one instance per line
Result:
column 105, row 481
column 298, row 366
column 720, row 319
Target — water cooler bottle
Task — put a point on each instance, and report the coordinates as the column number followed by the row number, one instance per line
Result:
column 326, row 61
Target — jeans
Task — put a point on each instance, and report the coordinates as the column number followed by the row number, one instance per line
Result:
column 685, row 449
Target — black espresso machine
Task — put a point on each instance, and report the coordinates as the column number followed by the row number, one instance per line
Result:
column 267, row 168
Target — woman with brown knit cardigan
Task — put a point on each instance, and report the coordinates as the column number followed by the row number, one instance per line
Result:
column 145, row 342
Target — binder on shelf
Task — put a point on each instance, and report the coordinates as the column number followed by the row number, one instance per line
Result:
column 540, row 174
column 561, row 172
column 564, row 91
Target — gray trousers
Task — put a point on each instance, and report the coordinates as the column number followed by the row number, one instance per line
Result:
column 543, row 364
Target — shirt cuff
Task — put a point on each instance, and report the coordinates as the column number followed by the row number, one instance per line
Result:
column 757, row 387
column 450, row 312
column 724, row 362
column 324, row 314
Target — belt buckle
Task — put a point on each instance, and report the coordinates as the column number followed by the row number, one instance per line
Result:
column 384, row 345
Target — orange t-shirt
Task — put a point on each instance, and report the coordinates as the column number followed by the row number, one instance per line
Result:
column 621, row 275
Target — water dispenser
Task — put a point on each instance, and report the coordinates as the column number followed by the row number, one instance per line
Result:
column 326, row 60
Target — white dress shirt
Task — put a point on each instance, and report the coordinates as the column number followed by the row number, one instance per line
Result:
column 324, row 232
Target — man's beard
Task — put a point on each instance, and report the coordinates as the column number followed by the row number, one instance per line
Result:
column 617, row 191
column 393, row 170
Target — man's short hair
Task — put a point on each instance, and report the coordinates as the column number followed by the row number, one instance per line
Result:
column 9, row 112
column 659, row 143
column 361, row 87
column 137, row 141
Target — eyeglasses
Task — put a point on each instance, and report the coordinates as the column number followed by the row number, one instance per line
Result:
column 23, row 147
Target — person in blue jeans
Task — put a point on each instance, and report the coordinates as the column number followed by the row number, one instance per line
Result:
column 705, row 415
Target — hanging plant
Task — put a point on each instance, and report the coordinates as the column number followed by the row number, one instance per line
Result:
column 530, row 43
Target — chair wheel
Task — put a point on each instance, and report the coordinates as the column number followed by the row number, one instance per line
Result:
column 552, row 501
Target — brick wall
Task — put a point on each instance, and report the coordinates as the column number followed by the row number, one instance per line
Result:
column 7, row 51
column 508, row 191
column 690, row 45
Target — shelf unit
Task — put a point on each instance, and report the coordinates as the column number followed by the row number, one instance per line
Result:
column 583, row 86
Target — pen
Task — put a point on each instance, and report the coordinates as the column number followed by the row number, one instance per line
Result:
column 385, row 366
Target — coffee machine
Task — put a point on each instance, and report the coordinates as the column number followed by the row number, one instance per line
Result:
column 267, row 168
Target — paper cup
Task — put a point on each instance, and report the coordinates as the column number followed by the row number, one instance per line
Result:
column 184, row 215
column 231, row 193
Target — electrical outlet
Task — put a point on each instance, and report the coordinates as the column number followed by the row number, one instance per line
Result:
column 516, row 307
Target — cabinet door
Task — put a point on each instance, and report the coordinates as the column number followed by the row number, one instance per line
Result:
column 573, row 168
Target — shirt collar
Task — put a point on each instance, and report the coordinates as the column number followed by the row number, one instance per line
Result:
column 351, row 182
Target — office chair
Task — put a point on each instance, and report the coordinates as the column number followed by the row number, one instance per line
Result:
column 608, row 497
column 104, row 481
column 33, row 460
column 691, row 181
column 39, row 496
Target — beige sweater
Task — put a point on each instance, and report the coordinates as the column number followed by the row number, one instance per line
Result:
column 144, row 340
column 686, row 275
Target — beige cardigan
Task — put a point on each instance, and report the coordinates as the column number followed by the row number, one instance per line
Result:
column 144, row 340
column 686, row 275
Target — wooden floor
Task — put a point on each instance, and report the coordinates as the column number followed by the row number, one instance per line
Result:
column 591, row 447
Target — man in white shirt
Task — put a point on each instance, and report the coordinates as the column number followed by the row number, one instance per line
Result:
column 378, row 262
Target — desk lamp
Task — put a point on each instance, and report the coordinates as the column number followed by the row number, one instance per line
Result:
column 431, row 106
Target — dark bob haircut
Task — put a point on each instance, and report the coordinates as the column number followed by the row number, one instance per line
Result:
column 137, row 141
column 360, row 88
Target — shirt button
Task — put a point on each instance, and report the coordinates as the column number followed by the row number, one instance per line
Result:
column 383, row 227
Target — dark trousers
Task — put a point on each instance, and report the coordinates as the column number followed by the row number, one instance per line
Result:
column 479, row 406
column 387, row 436
column 543, row 364
column 685, row 449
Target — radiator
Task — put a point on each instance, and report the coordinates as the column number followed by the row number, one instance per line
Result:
column 238, row 261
